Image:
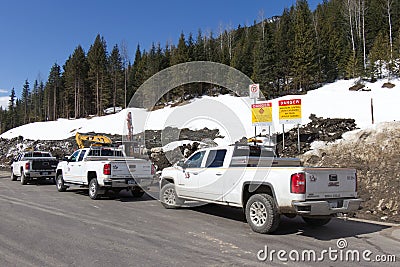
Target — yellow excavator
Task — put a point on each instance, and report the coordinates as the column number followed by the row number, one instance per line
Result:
column 94, row 140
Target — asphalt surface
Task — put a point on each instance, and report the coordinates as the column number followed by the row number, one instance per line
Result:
column 42, row 227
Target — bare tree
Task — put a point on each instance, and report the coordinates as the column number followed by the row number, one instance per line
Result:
column 262, row 23
column 230, row 36
column 363, row 34
column 125, row 61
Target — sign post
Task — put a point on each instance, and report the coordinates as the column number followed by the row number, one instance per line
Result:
column 290, row 113
column 254, row 93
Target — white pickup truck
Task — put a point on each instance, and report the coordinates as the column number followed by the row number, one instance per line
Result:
column 102, row 169
column 33, row 165
column 251, row 177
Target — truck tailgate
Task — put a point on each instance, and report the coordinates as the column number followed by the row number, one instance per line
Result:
column 135, row 168
column 322, row 183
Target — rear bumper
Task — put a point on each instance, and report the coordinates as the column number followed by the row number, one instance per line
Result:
column 41, row 174
column 325, row 207
column 126, row 182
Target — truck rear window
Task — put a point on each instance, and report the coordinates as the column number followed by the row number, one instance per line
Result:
column 37, row 155
column 252, row 151
column 105, row 153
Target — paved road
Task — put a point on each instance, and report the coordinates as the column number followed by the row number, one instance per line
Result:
column 42, row 227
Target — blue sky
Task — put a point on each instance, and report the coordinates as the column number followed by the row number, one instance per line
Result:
column 36, row 34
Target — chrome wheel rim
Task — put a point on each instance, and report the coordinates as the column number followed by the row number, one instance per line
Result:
column 258, row 213
column 59, row 182
column 169, row 196
column 92, row 189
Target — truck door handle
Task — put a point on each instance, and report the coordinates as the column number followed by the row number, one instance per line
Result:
column 218, row 173
column 195, row 173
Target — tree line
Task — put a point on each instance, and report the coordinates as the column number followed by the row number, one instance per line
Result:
column 295, row 52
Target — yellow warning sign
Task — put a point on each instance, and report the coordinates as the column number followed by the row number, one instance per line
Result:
column 290, row 111
column 261, row 114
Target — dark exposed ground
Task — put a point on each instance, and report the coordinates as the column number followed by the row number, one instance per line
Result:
column 375, row 155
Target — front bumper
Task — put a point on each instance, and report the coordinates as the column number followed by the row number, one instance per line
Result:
column 324, row 207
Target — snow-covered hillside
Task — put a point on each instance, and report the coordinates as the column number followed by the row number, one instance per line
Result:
column 231, row 115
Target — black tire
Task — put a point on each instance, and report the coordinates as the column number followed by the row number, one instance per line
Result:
column 60, row 183
column 262, row 214
column 24, row 179
column 13, row 176
column 316, row 222
column 168, row 197
column 137, row 192
column 94, row 189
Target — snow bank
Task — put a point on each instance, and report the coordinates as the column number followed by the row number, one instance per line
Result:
column 231, row 115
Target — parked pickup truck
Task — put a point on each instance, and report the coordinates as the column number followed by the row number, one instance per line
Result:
column 30, row 165
column 102, row 169
column 251, row 177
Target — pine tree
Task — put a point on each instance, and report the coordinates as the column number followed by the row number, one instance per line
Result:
column 97, row 58
column 25, row 101
column 304, row 59
column 116, row 72
column 11, row 111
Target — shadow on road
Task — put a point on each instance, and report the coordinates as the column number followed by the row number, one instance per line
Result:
column 123, row 196
column 336, row 229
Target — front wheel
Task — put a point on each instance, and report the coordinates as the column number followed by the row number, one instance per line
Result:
column 168, row 197
column 94, row 189
column 60, row 183
column 24, row 179
column 13, row 176
column 262, row 214
column 316, row 221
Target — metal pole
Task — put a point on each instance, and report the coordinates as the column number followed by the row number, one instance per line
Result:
column 283, row 136
column 255, row 127
column 269, row 135
column 372, row 110
column 298, row 137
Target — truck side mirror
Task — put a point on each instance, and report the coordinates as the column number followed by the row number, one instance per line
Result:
column 182, row 164
column 65, row 158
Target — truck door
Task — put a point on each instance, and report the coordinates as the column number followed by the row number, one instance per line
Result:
column 188, row 182
column 210, row 178
column 74, row 170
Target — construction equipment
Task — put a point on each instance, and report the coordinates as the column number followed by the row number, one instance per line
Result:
column 94, row 140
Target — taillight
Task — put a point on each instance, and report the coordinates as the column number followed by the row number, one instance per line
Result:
column 153, row 169
column 107, row 169
column 356, row 182
column 27, row 166
column 298, row 183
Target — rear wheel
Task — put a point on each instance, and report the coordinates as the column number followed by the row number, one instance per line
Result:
column 60, row 183
column 94, row 189
column 262, row 214
column 169, row 198
column 13, row 176
column 137, row 192
column 316, row 221
column 24, row 179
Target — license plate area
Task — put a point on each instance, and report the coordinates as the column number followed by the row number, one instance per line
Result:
column 131, row 182
column 333, row 205
column 44, row 173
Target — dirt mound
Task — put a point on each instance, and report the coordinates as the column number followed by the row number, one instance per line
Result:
column 375, row 155
column 319, row 129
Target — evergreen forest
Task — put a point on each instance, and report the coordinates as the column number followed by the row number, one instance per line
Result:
column 299, row 50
